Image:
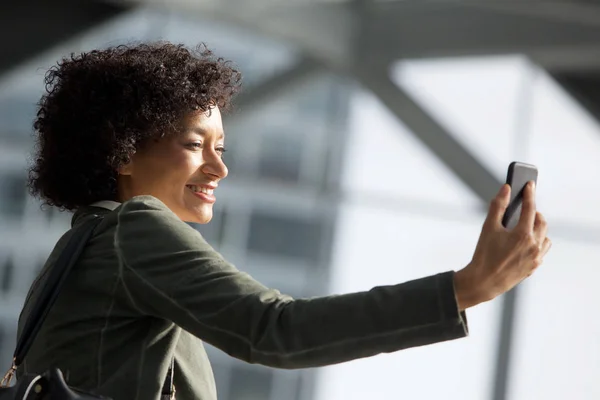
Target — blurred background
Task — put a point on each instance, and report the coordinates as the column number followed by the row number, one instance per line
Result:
column 364, row 149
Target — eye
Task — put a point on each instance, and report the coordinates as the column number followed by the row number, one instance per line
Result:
column 194, row 145
column 221, row 150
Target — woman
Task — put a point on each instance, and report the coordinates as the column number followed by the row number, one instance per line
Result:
column 134, row 134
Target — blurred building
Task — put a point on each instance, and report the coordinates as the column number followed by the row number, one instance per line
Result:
column 363, row 150
column 280, row 174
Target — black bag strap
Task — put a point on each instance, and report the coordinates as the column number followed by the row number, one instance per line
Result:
column 58, row 274
column 56, row 279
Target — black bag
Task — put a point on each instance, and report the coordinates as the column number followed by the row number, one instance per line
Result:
column 51, row 384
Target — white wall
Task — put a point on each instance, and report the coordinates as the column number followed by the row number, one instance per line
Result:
column 503, row 109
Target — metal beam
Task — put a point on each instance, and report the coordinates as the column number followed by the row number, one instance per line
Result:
column 320, row 30
column 32, row 26
column 584, row 87
column 398, row 30
column 435, row 137
column 581, row 13
column 430, row 29
column 274, row 86
column 468, row 169
column 568, row 60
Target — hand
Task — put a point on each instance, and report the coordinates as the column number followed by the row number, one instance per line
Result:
column 503, row 258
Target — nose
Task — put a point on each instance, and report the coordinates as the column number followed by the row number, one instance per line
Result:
column 214, row 166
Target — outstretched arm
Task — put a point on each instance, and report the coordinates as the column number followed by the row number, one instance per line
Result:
column 172, row 273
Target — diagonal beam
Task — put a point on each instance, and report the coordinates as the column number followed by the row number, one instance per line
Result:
column 32, row 26
column 435, row 137
column 581, row 13
column 571, row 60
column 468, row 169
column 397, row 29
column 582, row 86
column 276, row 85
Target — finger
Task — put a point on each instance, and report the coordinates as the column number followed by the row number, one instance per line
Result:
column 540, row 228
column 498, row 207
column 527, row 218
column 545, row 246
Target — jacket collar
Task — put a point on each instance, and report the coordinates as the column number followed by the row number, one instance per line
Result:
column 99, row 208
column 108, row 204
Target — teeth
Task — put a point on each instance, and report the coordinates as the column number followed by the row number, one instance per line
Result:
column 199, row 189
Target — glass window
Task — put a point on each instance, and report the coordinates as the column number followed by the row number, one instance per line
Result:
column 385, row 162
column 297, row 388
column 231, row 158
column 47, row 212
column 281, row 273
column 289, row 236
column 213, row 231
column 556, row 346
column 565, row 145
column 504, row 109
column 315, row 99
column 35, row 271
column 377, row 247
column 280, row 156
column 7, row 274
column 16, row 116
column 480, row 100
column 242, row 137
column 58, row 218
column 288, row 384
column 250, row 384
column 5, row 348
column 221, row 371
column 13, row 194
column 8, row 340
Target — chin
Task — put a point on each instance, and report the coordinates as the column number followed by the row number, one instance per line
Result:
column 199, row 216
column 205, row 219
column 196, row 219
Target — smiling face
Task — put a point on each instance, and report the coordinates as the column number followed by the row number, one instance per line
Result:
column 181, row 170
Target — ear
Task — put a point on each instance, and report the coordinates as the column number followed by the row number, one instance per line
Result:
column 126, row 168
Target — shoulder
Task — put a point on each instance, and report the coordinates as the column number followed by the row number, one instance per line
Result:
column 147, row 218
column 148, row 232
column 144, row 203
column 146, row 209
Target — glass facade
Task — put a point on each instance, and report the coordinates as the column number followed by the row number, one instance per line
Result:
column 329, row 193
column 502, row 109
column 266, row 155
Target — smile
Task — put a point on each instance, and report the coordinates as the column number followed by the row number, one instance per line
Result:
column 204, row 194
column 200, row 189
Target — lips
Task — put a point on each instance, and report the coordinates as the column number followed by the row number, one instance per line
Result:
column 200, row 189
column 203, row 193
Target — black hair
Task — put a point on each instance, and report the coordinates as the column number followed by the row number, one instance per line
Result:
column 103, row 105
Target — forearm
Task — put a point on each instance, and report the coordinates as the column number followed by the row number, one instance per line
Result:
column 262, row 326
column 329, row 330
column 170, row 272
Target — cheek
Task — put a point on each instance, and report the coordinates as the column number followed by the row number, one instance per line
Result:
column 190, row 165
column 167, row 170
column 180, row 165
column 182, row 171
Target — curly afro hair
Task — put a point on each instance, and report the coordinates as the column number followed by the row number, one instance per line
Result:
column 101, row 106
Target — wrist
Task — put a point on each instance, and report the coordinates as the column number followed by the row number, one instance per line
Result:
column 465, row 290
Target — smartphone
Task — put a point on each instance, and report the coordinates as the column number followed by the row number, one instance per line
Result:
column 517, row 177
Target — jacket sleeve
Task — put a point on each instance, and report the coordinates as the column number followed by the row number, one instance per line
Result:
column 171, row 272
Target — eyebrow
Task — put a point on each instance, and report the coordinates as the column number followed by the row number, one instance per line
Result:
column 202, row 132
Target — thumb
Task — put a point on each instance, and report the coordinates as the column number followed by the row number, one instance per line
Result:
column 498, row 206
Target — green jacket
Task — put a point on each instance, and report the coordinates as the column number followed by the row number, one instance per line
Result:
column 148, row 287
